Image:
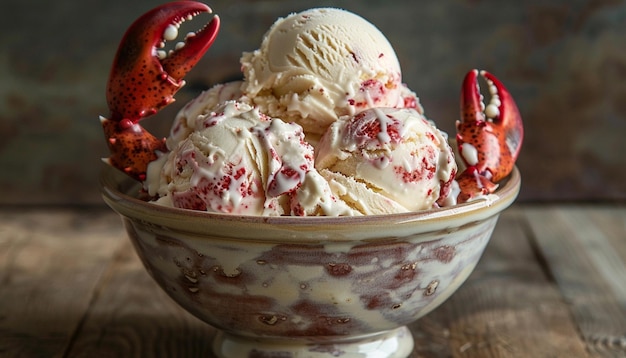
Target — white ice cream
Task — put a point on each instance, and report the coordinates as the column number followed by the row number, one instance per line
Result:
column 320, row 64
column 394, row 154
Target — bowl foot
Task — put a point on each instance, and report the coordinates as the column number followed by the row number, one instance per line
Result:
column 397, row 343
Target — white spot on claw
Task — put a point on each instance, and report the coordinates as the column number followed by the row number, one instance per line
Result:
column 170, row 33
column 492, row 111
column 469, row 153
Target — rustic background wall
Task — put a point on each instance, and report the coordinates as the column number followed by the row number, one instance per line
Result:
column 563, row 60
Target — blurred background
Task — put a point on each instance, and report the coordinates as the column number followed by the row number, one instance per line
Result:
column 564, row 61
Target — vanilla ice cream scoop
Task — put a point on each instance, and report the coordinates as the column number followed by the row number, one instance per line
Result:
column 237, row 161
column 320, row 64
column 386, row 160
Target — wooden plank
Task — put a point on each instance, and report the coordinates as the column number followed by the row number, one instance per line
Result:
column 612, row 222
column 133, row 317
column 507, row 308
column 51, row 261
column 590, row 271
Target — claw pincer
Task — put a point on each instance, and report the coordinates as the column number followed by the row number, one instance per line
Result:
column 144, row 79
column 489, row 138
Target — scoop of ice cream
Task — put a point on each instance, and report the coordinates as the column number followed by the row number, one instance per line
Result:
column 200, row 107
column 216, row 168
column 240, row 161
column 320, row 64
column 237, row 160
column 387, row 154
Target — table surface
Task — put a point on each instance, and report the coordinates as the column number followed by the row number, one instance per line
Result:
column 551, row 283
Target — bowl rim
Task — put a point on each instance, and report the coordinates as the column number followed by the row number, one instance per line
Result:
column 116, row 187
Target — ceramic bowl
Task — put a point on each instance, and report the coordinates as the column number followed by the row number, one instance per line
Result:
column 308, row 286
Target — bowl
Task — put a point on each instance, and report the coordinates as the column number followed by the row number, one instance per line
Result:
column 308, row 286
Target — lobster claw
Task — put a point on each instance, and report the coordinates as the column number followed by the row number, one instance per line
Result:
column 473, row 185
column 131, row 146
column 489, row 138
column 144, row 79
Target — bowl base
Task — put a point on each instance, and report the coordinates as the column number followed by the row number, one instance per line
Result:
column 397, row 343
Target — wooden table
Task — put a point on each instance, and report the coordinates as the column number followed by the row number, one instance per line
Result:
column 552, row 283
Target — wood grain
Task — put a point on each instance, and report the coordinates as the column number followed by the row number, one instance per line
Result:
column 132, row 317
column 50, row 262
column 589, row 270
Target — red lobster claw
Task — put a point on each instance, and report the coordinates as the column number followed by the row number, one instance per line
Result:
column 489, row 138
column 144, row 79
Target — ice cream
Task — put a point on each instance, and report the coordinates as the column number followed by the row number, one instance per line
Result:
column 199, row 107
column 320, row 64
column 216, row 167
column 246, row 147
column 239, row 161
column 387, row 160
column 316, row 198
